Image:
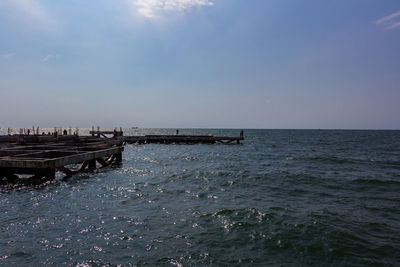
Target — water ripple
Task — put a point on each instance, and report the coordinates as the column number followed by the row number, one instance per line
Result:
column 282, row 198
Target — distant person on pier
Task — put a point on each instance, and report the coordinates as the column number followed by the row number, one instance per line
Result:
column 177, row 131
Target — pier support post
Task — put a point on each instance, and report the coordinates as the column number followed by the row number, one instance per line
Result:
column 102, row 162
column 92, row 164
column 50, row 174
column 10, row 176
column 118, row 158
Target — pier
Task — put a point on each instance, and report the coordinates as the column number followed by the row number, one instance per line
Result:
column 167, row 139
column 37, row 158
column 39, row 161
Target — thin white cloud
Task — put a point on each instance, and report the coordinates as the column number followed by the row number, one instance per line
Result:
column 156, row 8
column 395, row 25
column 7, row 56
column 391, row 21
column 49, row 57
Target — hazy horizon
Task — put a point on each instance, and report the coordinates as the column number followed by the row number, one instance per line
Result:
column 4, row 129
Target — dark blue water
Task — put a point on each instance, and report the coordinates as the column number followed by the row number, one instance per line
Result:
column 283, row 197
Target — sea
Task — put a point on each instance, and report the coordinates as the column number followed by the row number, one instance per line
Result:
column 280, row 198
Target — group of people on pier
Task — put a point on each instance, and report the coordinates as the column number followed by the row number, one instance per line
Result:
column 24, row 131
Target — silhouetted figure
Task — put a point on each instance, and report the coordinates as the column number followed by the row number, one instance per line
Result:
column 177, row 131
column 65, row 132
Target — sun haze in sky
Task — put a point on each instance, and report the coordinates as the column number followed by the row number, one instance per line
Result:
column 200, row 63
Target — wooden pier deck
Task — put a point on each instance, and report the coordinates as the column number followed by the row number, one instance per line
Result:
column 41, row 161
column 39, row 157
column 179, row 139
column 169, row 139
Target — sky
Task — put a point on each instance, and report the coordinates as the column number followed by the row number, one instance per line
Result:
column 270, row 64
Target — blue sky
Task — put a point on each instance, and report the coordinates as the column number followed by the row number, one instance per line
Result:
column 200, row 63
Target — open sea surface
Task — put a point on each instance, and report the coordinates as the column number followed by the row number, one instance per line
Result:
column 281, row 198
